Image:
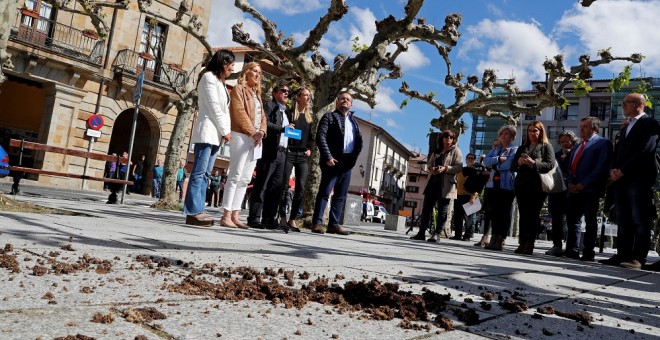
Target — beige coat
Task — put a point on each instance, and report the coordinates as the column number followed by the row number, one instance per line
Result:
column 242, row 113
column 454, row 164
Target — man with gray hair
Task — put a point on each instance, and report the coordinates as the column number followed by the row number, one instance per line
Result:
column 587, row 176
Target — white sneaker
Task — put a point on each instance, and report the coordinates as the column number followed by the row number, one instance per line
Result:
column 554, row 251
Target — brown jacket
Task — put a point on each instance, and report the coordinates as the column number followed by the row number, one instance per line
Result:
column 241, row 111
column 453, row 161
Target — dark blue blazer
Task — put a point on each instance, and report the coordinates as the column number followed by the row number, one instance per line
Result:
column 330, row 139
column 593, row 167
column 635, row 152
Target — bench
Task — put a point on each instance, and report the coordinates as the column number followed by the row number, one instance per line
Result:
column 19, row 170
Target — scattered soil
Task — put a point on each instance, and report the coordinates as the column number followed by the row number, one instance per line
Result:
column 378, row 301
column 105, row 319
column 67, row 247
column 583, row 317
column 75, row 337
column 548, row 310
column 9, row 205
column 9, row 261
column 444, row 322
column 38, row 270
column 86, row 290
column 488, row 296
column 469, row 316
column 139, row 315
column 9, row 248
column 513, row 305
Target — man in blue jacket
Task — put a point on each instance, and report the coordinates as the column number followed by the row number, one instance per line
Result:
column 588, row 169
column 340, row 142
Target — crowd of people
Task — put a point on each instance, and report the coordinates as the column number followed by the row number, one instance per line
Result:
column 260, row 144
column 590, row 168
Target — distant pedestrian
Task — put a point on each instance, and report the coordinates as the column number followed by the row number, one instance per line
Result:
column 157, row 178
column 214, row 189
column 109, row 170
column 181, row 176
column 138, row 174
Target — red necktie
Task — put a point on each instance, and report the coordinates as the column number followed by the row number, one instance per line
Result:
column 577, row 157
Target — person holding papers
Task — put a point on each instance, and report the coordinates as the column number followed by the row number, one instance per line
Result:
column 470, row 182
column 298, row 153
column 248, row 127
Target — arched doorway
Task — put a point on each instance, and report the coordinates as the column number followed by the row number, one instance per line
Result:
column 147, row 135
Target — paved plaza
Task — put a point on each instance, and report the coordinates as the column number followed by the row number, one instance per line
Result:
column 97, row 273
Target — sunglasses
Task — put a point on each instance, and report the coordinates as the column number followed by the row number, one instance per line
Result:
column 284, row 90
column 449, row 137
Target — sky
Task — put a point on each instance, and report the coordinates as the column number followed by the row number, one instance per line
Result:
column 513, row 37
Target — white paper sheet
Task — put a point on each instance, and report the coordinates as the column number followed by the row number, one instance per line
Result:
column 256, row 152
column 472, row 208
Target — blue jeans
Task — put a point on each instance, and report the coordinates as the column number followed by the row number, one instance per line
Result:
column 337, row 178
column 157, row 183
column 199, row 178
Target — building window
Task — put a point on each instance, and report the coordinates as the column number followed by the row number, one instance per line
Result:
column 36, row 28
column 152, row 43
column 412, row 188
column 552, row 132
column 601, row 110
column 410, row 204
column 412, row 178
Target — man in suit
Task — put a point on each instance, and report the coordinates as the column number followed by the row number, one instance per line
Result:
column 588, row 168
column 270, row 167
column 340, row 142
column 633, row 173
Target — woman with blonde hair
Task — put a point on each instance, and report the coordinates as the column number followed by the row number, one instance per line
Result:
column 534, row 157
column 248, row 127
column 298, row 153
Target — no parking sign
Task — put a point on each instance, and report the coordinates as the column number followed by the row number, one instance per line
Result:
column 95, row 122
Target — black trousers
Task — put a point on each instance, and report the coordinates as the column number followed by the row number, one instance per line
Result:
column 295, row 160
column 501, row 201
column 268, row 183
column 460, row 217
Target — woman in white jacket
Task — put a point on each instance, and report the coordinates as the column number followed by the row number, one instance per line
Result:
column 212, row 127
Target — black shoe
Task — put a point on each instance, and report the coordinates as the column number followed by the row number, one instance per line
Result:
column 419, row 237
column 457, row 238
column 587, row 258
column 613, row 261
column 433, row 239
column 256, row 225
column 296, row 229
column 466, row 238
column 572, row 254
column 653, row 267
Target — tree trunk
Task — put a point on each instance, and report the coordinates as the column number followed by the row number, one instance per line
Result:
column 321, row 105
column 186, row 108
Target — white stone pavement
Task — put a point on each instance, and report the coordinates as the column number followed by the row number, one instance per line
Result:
column 624, row 304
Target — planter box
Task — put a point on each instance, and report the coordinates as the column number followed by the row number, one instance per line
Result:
column 394, row 222
column 30, row 13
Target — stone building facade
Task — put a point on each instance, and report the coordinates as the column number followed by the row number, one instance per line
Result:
column 63, row 73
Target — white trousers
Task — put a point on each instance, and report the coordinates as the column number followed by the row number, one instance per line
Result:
column 241, row 166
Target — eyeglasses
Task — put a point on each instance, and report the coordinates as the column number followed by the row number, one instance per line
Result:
column 449, row 137
column 284, row 90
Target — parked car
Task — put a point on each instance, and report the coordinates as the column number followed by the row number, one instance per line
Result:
column 380, row 214
column 4, row 163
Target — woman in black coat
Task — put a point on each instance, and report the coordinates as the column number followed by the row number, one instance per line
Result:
column 533, row 158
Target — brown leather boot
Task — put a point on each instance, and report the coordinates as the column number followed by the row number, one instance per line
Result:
column 335, row 229
column 318, row 229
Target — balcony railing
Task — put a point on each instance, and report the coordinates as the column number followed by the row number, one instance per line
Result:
column 42, row 32
column 131, row 62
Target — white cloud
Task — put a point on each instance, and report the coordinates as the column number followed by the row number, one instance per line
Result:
column 391, row 122
column 384, row 102
column 625, row 25
column 223, row 15
column 290, row 7
column 413, row 58
column 511, row 48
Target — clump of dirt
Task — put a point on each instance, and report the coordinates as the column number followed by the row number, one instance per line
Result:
column 444, row 322
column 513, row 305
column 54, row 254
column 583, row 317
column 38, row 270
column 147, row 314
column 304, row 275
column 407, row 324
column 67, row 247
column 9, row 248
column 101, row 318
column 378, row 301
column 485, row 305
column 488, row 296
column 9, row 261
column 75, row 337
column 469, row 316
column 49, row 296
column 548, row 310
column 86, row 290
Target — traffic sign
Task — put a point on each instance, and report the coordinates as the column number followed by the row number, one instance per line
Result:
column 95, row 122
column 138, row 87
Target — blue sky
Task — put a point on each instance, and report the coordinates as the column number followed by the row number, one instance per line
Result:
column 511, row 36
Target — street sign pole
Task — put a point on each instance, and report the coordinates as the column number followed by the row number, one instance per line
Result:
column 136, row 98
